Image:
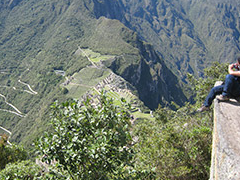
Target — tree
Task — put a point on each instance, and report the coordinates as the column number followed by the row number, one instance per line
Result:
column 10, row 153
column 177, row 144
column 202, row 86
column 21, row 170
column 89, row 140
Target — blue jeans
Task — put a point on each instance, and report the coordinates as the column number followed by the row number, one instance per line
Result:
column 231, row 88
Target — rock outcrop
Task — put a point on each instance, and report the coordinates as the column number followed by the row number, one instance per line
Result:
column 226, row 141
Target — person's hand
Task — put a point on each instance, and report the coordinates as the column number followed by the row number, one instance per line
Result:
column 231, row 66
column 230, row 69
column 234, row 70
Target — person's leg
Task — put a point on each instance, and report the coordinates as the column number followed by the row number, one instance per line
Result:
column 212, row 94
column 236, row 88
column 230, row 85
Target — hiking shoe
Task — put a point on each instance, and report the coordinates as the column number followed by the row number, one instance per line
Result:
column 223, row 98
column 203, row 108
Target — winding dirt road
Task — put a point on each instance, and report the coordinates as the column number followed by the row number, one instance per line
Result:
column 16, row 110
column 29, row 87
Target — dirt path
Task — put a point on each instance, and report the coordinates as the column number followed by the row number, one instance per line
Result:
column 17, row 89
column 87, row 57
column 17, row 111
column 29, row 87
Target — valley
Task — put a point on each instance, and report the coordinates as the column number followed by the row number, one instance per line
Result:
column 59, row 58
column 56, row 50
column 96, row 78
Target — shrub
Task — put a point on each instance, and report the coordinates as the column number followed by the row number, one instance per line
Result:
column 20, row 170
column 89, row 141
column 10, row 153
column 176, row 145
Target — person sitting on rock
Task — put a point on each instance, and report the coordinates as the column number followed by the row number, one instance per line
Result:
column 229, row 89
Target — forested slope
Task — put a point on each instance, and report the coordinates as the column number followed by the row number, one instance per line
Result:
column 56, row 50
column 189, row 35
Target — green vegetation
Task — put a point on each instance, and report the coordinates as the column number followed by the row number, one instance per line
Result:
column 96, row 57
column 189, row 35
column 80, row 83
column 177, row 144
column 42, row 43
column 202, row 86
column 90, row 141
column 10, row 153
column 21, row 170
column 40, row 38
column 95, row 139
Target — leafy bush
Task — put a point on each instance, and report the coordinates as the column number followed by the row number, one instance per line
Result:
column 202, row 86
column 176, row 145
column 20, row 170
column 89, row 141
column 10, row 153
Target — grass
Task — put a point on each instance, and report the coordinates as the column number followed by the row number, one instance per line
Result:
column 90, row 76
column 76, row 91
column 129, row 97
column 84, row 80
column 95, row 56
column 141, row 115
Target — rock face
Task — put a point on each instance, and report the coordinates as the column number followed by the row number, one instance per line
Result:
column 187, row 34
column 155, row 83
column 226, row 141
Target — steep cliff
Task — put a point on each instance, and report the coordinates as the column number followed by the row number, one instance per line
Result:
column 226, row 142
column 188, row 34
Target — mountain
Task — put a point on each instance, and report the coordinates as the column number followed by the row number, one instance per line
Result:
column 138, row 49
column 188, row 35
column 61, row 49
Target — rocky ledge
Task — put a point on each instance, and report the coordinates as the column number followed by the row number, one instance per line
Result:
column 226, row 141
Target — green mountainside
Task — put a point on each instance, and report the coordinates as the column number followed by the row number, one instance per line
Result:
column 189, row 35
column 138, row 49
column 59, row 49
